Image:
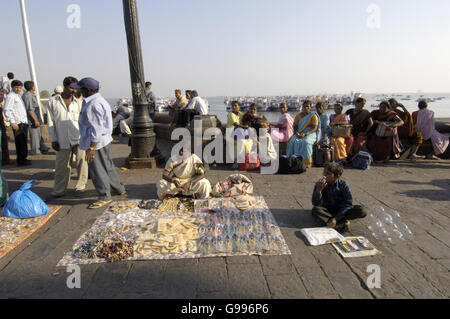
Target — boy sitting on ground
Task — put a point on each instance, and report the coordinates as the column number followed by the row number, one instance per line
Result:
column 332, row 200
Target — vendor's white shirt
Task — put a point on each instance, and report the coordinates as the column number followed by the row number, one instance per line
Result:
column 63, row 123
column 14, row 109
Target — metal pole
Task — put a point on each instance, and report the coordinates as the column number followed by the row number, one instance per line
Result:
column 143, row 139
column 26, row 33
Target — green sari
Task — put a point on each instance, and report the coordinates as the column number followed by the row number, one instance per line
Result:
column 4, row 195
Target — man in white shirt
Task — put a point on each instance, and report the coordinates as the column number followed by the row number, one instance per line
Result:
column 7, row 84
column 63, row 113
column 16, row 114
column 197, row 104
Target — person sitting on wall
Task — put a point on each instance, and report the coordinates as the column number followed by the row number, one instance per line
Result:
column 332, row 200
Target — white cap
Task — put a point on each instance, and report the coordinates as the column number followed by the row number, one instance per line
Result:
column 59, row 89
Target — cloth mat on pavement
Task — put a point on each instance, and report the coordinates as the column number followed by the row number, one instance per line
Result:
column 175, row 229
column 14, row 231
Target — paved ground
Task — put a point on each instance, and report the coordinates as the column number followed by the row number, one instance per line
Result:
column 415, row 269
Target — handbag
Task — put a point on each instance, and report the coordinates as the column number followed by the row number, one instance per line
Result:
column 341, row 130
column 233, row 185
column 384, row 131
column 320, row 152
column 291, row 165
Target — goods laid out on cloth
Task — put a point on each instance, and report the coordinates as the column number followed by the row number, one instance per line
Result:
column 13, row 231
column 180, row 228
column 386, row 224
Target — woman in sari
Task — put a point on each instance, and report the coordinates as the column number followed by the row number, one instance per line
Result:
column 184, row 175
column 342, row 145
column 382, row 147
column 324, row 121
column 425, row 124
column 284, row 126
column 307, row 127
column 361, row 122
column 407, row 134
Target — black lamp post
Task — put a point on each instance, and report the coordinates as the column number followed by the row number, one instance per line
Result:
column 143, row 140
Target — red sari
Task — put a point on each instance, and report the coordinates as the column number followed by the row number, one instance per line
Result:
column 381, row 147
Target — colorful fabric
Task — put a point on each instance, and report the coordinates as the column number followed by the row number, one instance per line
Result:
column 304, row 146
column 426, row 126
column 381, row 147
column 286, row 131
column 407, row 131
column 215, row 228
column 14, row 231
column 342, row 145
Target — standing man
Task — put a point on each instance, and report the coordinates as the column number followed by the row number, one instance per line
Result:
column 151, row 98
column 95, row 138
column 63, row 113
column 37, row 144
column 16, row 114
column 4, row 138
column 7, row 84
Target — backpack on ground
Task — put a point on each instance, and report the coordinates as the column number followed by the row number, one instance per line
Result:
column 362, row 160
column 291, row 165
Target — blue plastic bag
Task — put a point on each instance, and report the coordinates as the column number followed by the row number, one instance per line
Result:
column 25, row 204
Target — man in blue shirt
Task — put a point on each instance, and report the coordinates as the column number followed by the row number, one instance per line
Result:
column 332, row 200
column 95, row 123
column 37, row 145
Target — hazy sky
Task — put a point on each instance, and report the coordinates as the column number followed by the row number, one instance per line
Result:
column 238, row 47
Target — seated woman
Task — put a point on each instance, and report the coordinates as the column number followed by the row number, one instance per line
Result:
column 332, row 200
column 342, row 145
column 307, row 128
column 382, row 147
column 251, row 118
column 406, row 132
column 424, row 123
column 324, row 122
column 238, row 136
column 361, row 122
column 184, row 175
column 284, row 126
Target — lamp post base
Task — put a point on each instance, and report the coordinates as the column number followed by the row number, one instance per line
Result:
column 141, row 163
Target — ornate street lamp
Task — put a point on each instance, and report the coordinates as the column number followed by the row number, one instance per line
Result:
column 143, row 139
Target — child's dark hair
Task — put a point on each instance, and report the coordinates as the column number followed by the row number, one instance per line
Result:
column 335, row 168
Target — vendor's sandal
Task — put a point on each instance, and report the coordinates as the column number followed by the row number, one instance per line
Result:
column 99, row 203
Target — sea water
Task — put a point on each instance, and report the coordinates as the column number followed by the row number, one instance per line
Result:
column 441, row 108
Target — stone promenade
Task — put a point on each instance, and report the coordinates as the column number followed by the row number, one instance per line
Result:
column 418, row 268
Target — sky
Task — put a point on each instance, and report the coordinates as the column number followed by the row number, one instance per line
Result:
column 238, row 47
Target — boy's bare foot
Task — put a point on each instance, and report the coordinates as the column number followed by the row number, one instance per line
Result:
column 347, row 226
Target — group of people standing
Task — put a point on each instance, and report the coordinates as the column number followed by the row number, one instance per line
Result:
column 79, row 129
